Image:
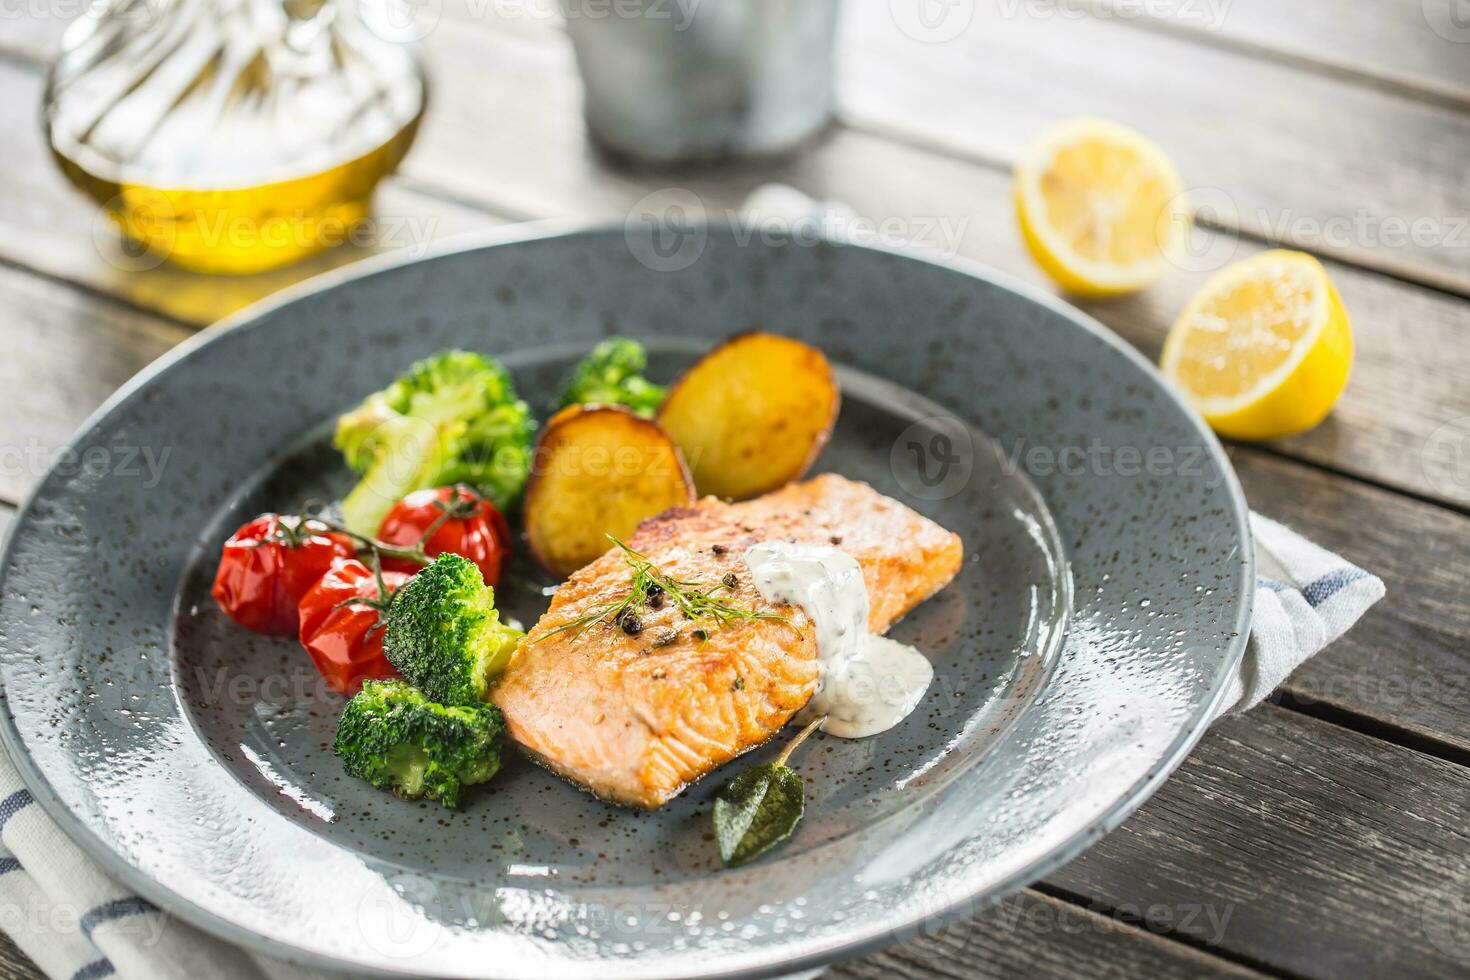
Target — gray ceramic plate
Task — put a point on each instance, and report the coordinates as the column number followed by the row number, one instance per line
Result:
column 1102, row 602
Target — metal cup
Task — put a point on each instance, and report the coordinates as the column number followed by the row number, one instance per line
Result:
column 678, row 81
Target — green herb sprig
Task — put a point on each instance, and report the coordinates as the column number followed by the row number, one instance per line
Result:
column 761, row 807
column 695, row 600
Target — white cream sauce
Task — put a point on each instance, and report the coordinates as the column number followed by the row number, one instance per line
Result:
column 866, row 684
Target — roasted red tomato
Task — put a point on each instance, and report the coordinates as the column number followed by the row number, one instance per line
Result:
column 458, row 521
column 267, row 566
column 343, row 636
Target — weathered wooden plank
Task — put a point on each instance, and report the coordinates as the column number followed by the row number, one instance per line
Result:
column 15, row 965
column 67, row 352
column 1326, row 853
column 1034, row 935
column 1344, row 170
column 1389, row 190
column 1417, row 46
column 1413, row 370
column 48, row 226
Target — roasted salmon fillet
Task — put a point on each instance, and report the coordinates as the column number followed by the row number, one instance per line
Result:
column 637, row 717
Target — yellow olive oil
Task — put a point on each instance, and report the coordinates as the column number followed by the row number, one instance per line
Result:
column 231, row 136
column 248, row 229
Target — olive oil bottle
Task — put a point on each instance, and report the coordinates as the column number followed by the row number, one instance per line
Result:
column 231, row 136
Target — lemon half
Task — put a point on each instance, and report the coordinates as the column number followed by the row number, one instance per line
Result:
column 1265, row 347
column 1101, row 207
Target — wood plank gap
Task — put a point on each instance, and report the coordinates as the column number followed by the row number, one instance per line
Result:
column 113, row 299
column 1375, row 728
column 447, row 196
column 1123, row 917
column 1404, row 272
column 1446, row 97
column 1091, row 907
column 1269, row 449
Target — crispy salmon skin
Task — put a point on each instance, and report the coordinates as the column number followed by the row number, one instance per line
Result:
column 637, row 717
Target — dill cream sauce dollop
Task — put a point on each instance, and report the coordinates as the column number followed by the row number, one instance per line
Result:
column 866, row 684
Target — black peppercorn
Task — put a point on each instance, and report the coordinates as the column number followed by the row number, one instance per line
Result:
column 731, row 580
column 630, row 623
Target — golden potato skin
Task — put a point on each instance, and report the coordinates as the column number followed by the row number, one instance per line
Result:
column 753, row 414
column 598, row 470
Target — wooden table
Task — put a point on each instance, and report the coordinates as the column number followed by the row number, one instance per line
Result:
column 1324, row 834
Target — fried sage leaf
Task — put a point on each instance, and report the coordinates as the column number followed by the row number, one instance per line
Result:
column 761, row 807
column 757, row 810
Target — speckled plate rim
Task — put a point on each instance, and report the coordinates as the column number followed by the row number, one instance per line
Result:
column 876, row 934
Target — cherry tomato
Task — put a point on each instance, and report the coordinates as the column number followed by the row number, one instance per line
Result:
column 343, row 636
column 461, row 522
column 267, row 566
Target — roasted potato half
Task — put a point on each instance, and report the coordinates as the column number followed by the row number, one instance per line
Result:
column 598, row 470
column 753, row 414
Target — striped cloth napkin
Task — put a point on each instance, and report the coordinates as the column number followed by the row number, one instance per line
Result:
column 78, row 924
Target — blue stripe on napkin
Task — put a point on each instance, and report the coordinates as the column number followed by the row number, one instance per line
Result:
column 13, row 804
column 118, row 908
column 1330, row 584
column 94, row 970
column 8, row 864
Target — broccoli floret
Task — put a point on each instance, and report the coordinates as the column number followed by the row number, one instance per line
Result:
column 444, row 635
column 453, row 418
column 395, row 738
column 612, row 374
